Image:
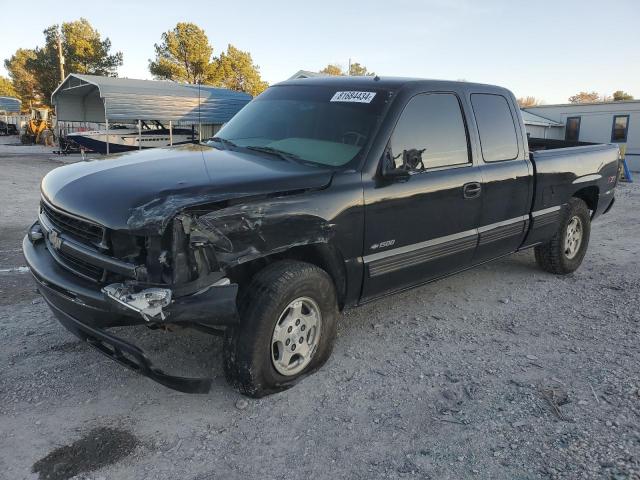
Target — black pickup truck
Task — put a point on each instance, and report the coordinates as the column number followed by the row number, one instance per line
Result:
column 321, row 194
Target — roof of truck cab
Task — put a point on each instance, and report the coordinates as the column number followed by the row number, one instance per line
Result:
column 391, row 83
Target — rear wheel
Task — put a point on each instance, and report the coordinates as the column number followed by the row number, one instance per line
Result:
column 564, row 253
column 288, row 318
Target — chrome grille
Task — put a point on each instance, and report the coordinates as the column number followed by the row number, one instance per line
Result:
column 80, row 267
column 73, row 226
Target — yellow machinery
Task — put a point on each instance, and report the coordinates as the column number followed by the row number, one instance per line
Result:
column 38, row 129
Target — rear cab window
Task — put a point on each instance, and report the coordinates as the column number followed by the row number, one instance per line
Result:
column 496, row 127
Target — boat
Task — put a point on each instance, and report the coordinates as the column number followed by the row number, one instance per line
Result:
column 123, row 138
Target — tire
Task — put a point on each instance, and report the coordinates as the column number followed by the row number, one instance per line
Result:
column 249, row 352
column 556, row 256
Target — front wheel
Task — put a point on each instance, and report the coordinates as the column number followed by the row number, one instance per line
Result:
column 564, row 253
column 288, row 319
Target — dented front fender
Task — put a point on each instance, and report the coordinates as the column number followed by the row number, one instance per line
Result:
column 242, row 233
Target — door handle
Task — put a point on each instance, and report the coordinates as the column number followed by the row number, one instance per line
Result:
column 471, row 190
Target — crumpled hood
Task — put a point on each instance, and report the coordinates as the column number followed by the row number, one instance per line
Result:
column 141, row 191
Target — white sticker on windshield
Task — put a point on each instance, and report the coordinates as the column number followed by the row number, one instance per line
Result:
column 359, row 97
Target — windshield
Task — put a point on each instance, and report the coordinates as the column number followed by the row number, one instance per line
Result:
column 323, row 125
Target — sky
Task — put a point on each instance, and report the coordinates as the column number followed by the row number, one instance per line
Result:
column 546, row 49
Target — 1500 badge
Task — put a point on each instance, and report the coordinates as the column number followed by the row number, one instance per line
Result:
column 387, row 243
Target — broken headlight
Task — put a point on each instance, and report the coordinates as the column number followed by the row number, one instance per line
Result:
column 148, row 302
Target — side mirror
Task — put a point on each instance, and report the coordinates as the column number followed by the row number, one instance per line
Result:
column 396, row 174
column 389, row 170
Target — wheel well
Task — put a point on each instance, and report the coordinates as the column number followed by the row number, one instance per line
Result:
column 590, row 196
column 322, row 255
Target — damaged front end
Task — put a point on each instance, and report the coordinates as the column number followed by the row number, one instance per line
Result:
column 183, row 281
column 200, row 248
column 186, row 274
column 155, row 278
column 109, row 250
column 104, row 278
column 111, row 279
column 242, row 232
column 213, row 305
column 148, row 302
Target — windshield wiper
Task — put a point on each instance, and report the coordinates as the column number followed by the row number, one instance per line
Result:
column 280, row 153
column 273, row 151
column 226, row 143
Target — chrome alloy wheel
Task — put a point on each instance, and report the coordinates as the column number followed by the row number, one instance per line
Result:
column 573, row 238
column 296, row 336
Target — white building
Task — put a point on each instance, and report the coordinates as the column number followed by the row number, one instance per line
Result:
column 601, row 122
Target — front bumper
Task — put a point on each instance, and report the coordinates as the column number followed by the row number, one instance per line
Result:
column 85, row 311
column 128, row 355
column 85, row 301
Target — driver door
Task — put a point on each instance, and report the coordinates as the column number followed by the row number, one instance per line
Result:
column 424, row 225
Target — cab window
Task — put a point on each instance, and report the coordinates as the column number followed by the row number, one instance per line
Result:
column 430, row 133
column 497, row 130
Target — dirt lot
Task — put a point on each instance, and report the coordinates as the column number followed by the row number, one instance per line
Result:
column 502, row 372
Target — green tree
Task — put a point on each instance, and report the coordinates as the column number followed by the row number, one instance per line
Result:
column 358, row 70
column 45, row 66
column 85, row 51
column 183, row 55
column 620, row 95
column 332, row 69
column 524, row 102
column 36, row 73
column 234, row 69
column 584, row 97
column 6, row 88
column 23, row 78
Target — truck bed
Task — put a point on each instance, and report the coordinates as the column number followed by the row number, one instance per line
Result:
column 536, row 144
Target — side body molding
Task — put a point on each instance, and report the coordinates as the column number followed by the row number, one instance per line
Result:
column 389, row 261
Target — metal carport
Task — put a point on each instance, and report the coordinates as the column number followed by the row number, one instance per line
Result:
column 92, row 98
column 10, row 111
column 10, row 105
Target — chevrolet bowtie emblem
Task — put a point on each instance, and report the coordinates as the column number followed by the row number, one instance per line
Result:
column 55, row 240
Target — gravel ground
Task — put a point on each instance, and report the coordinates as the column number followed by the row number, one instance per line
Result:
column 502, row 372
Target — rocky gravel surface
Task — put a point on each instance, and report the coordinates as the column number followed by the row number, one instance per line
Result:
column 503, row 372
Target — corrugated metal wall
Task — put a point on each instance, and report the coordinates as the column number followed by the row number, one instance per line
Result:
column 212, row 110
column 10, row 104
column 89, row 98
